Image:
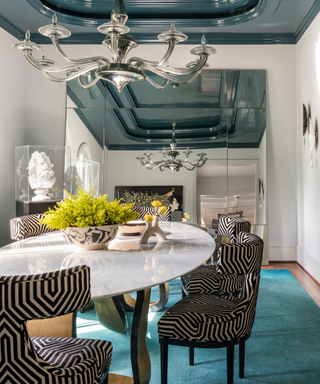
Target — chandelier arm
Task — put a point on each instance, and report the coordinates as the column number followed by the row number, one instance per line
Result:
column 69, row 77
column 34, row 62
column 169, row 77
column 86, row 86
column 153, row 63
column 182, row 72
column 55, row 42
column 158, row 86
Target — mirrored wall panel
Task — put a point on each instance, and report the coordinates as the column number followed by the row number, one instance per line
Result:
column 221, row 113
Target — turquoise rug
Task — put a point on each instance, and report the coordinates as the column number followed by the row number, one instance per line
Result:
column 284, row 346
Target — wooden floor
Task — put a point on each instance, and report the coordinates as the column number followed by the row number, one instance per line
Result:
column 304, row 278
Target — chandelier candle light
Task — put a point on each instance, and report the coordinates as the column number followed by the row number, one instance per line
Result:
column 170, row 160
column 119, row 43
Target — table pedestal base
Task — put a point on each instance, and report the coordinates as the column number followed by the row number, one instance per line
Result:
column 140, row 360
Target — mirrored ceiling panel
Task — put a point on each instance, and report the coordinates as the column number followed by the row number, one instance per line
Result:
column 246, row 127
column 246, row 89
column 152, row 128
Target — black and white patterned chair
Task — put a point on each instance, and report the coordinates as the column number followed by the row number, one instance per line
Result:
column 206, row 279
column 150, row 211
column 209, row 321
column 27, row 226
column 230, row 227
column 48, row 360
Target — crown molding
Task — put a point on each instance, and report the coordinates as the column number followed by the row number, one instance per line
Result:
column 308, row 19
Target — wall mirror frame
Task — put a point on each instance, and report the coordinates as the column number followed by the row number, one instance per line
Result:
column 222, row 112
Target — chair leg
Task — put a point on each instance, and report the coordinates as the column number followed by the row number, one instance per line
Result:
column 191, row 355
column 164, row 363
column 230, row 364
column 242, row 347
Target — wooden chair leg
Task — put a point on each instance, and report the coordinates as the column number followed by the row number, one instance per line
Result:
column 191, row 355
column 242, row 346
column 164, row 363
column 230, row 364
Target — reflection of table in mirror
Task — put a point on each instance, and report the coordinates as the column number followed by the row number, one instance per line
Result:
column 115, row 273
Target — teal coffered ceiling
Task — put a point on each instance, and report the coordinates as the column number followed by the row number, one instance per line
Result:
column 222, row 21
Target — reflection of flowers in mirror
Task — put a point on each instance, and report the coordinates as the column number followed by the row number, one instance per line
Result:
column 159, row 209
column 186, row 217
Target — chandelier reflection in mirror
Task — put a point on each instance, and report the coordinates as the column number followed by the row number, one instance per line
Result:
column 119, row 43
column 170, row 160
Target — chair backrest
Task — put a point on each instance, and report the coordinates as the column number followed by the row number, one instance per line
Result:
column 244, row 257
column 150, row 211
column 27, row 226
column 231, row 226
column 36, row 297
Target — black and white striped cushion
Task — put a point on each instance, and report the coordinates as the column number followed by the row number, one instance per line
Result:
column 205, row 279
column 47, row 360
column 26, row 226
column 150, row 211
column 208, row 318
column 231, row 226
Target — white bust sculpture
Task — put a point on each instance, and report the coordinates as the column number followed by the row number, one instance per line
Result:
column 41, row 175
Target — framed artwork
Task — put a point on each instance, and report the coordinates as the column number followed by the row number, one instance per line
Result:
column 144, row 195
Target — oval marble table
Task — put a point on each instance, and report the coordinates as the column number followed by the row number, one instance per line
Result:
column 117, row 272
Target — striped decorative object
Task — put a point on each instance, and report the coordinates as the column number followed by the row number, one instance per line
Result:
column 208, row 318
column 47, row 360
column 150, row 211
column 26, row 226
column 231, row 226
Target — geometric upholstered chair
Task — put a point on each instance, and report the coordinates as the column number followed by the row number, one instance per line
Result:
column 209, row 321
column 60, row 360
column 206, row 279
column 26, row 226
column 231, row 226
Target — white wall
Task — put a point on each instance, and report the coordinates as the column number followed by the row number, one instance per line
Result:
column 11, row 127
column 45, row 123
column 308, row 180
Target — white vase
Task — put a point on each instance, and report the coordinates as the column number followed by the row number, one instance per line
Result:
column 152, row 229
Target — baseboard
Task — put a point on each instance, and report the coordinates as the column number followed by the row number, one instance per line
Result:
column 309, row 263
column 282, row 253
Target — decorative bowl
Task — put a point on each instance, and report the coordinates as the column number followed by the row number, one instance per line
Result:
column 90, row 237
column 132, row 228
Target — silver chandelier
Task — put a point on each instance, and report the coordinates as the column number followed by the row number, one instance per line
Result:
column 170, row 160
column 119, row 43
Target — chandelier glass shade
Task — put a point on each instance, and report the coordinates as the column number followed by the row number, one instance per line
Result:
column 170, row 160
column 116, row 71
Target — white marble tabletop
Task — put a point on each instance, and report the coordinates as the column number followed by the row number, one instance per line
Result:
column 124, row 266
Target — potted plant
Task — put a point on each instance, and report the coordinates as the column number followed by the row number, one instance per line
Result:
column 88, row 221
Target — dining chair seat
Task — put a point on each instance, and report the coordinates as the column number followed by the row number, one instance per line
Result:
column 56, row 360
column 68, row 356
column 206, row 280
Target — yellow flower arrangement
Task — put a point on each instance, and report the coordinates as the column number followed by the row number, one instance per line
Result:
column 162, row 210
column 159, row 209
column 148, row 218
column 87, row 210
column 156, row 204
